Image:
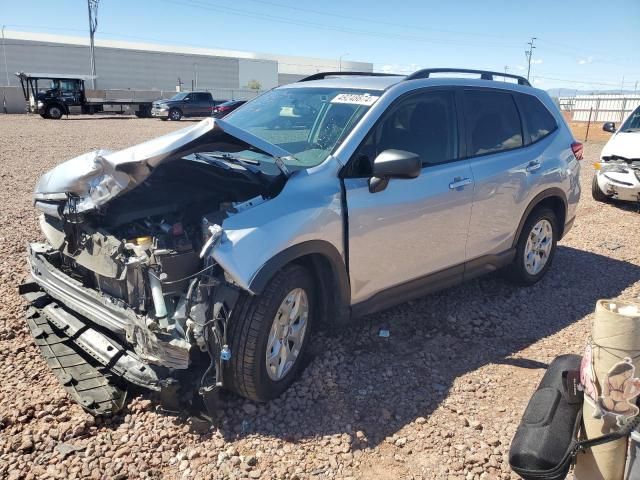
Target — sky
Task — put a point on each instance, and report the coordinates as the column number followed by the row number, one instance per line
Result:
column 579, row 44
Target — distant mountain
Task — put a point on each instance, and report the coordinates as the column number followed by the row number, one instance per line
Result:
column 570, row 92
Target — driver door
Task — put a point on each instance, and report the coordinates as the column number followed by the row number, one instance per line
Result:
column 413, row 232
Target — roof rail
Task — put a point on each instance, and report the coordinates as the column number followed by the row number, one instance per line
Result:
column 484, row 74
column 323, row 75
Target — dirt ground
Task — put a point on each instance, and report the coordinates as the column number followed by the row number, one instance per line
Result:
column 594, row 134
column 440, row 398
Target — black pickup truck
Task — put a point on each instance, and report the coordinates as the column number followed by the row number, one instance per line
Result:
column 185, row 104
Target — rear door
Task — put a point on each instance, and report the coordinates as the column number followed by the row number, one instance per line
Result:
column 504, row 172
column 414, row 227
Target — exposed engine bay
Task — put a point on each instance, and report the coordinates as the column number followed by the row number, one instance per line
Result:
column 138, row 268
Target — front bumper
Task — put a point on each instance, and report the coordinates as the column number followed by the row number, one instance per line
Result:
column 620, row 186
column 160, row 113
column 85, row 339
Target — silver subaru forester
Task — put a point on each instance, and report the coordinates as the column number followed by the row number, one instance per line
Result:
column 202, row 259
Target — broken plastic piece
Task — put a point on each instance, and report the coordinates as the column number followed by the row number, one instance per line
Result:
column 384, row 333
column 225, row 353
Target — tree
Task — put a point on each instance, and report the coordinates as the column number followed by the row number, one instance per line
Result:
column 254, row 85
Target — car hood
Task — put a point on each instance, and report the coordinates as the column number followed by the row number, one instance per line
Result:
column 623, row 144
column 95, row 178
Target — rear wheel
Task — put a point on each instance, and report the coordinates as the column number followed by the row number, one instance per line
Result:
column 535, row 248
column 54, row 112
column 175, row 114
column 269, row 334
column 597, row 194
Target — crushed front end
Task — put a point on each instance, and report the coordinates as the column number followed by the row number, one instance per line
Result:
column 125, row 289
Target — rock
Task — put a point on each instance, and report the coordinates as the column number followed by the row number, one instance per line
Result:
column 66, row 449
column 249, row 409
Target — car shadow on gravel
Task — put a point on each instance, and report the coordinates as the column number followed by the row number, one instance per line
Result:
column 368, row 387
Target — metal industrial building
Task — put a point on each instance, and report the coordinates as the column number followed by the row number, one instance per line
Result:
column 146, row 66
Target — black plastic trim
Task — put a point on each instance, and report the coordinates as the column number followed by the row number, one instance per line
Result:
column 409, row 290
column 323, row 75
column 484, row 74
column 432, row 283
column 321, row 247
column 549, row 193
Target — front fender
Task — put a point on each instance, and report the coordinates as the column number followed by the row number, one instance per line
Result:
column 307, row 211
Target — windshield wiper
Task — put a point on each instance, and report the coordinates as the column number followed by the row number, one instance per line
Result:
column 231, row 158
column 631, row 129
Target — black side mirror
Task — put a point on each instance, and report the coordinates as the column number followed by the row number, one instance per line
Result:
column 609, row 127
column 393, row 164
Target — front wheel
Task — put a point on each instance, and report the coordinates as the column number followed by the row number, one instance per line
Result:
column 268, row 335
column 175, row 114
column 54, row 112
column 535, row 248
column 597, row 194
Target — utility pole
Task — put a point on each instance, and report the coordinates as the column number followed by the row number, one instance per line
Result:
column 4, row 52
column 529, row 54
column 506, row 70
column 92, row 6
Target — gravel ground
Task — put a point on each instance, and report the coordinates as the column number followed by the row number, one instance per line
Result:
column 440, row 398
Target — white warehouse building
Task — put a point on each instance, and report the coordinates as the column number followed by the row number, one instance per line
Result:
column 147, row 66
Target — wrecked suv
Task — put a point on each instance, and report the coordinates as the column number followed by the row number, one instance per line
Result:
column 205, row 258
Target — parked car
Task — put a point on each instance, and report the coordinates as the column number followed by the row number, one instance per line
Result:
column 185, row 104
column 226, row 108
column 618, row 172
column 205, row 258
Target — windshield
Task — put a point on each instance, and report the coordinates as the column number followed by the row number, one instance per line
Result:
column 632, row 124
column 309, row 123
column 179, row 96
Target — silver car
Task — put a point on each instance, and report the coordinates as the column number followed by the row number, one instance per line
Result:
column 204, row 259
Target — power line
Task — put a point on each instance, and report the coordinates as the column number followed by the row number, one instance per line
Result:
column 325, row 26
column 372, row 20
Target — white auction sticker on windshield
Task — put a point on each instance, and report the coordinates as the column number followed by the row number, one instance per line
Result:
column 355, row 99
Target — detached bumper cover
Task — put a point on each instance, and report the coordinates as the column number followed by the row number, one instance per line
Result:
column 91, row 366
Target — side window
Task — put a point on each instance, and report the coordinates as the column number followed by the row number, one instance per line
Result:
column 493, row 123
column 538, row 120
column 424, row 124
column 189, row 98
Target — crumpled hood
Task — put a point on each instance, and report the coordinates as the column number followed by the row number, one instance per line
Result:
column 96, row 177
column 623, row 144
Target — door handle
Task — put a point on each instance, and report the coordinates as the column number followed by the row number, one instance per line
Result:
column 459, row 182
column 533, row 166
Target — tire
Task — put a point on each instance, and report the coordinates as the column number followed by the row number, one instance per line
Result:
column 250, row 330
column 597, row 194
column 54, row 112
column 524, row 270
column 175, row 114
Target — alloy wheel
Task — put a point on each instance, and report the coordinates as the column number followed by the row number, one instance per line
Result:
column 287, row 334
column 538, row 247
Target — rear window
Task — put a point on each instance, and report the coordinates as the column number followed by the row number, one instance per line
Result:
column 537, row 119
column 493, row 123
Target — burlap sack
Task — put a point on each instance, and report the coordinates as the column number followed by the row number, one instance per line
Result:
column 615, row 334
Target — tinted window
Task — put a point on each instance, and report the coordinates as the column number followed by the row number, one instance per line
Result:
column 493, row 123
column 538, row 120
column 424, row 124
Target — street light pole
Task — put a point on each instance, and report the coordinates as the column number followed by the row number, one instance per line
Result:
column 343, row 55
column 4, row 52
column 92, row 6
